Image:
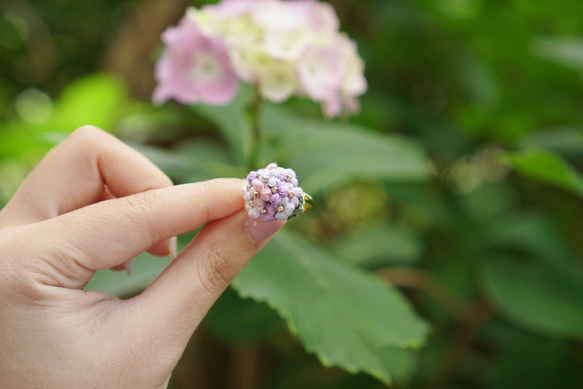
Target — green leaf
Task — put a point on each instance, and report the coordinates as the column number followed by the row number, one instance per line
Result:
column 192, row 161
column 145, row 269
column 233, row 123
column 536, row 297
column 377, row 246
column 532, row 233
column 241, row 321
column 547, row 167
column 520, row 351
column 400, row 363
column 328, row 153
column 98, row 99
column 341, row 313
column 565, row 51
column 564, row 141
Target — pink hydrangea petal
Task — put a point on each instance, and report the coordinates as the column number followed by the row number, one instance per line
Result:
column 321, row 71
column 332, row 107
column 265, row 194
column 257, row 185
column 181, row 73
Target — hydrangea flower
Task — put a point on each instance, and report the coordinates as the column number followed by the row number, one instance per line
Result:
column 195, row 68
column 273, row 193
column 284, row 48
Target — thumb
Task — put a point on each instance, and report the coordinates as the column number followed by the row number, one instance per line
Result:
column 179, row 298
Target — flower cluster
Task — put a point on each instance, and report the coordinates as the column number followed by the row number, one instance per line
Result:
column 273, row 194
column 285, row 48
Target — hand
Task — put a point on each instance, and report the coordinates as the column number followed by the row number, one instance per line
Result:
column 93, row 203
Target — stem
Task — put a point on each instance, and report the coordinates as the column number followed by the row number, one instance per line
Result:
column 255, row 152
column 429, row 284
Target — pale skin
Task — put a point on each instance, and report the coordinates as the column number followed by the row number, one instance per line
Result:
column 94, row 203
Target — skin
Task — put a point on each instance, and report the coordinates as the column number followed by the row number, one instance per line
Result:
column 93, row 203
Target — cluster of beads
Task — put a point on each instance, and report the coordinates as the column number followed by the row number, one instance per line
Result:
column 273, row 194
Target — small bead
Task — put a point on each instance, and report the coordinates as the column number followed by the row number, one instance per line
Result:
column 248, row 186
column 264, row 178
column 256, row 195
column 263, row 211
column 291, row 194
column 274, row 190
column 288, row 177
column 280, row 208
column 251, row 203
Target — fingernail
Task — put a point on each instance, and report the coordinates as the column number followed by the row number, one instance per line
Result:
column 127, row 266
column 173, row 247
column 259, row 230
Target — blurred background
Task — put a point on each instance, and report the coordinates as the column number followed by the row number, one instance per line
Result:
column 489, row 257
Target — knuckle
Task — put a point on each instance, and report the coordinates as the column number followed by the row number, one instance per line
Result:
column 218, row 271
column 137, row 206
column 19, row 267
column 86, row 133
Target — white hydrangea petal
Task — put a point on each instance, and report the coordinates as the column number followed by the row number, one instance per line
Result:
column 273, row 14
column 281, row 216
column 254, row 212
column 278, row 81
column 286, row 44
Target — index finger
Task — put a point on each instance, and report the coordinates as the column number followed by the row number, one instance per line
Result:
column 109, row 233
column 75, row 174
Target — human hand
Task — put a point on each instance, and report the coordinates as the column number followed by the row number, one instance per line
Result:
column 94, row 203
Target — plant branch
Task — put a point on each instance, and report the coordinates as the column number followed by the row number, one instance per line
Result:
column 254, row 111
column 429, row 284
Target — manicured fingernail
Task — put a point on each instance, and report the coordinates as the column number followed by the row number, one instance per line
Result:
column 127, row 266
column 173, row 247
column 259, row 230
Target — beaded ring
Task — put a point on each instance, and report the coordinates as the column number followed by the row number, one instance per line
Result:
column 273, row 193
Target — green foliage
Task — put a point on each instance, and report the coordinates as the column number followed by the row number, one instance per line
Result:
column 547, row 167
column 383, row 245
column 340, row 313
column 327, row 154
column 537, row 296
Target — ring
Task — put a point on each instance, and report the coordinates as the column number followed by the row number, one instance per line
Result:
column 273, row 193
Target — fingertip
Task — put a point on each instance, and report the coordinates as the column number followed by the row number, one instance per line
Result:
column 173, row 247
column 259, row 230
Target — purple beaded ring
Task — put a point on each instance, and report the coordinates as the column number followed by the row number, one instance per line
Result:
column 273, row 194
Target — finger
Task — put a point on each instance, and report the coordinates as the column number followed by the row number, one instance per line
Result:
column 76, row 173
column 178, row 299
column 160, row 249
column 109, row 233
